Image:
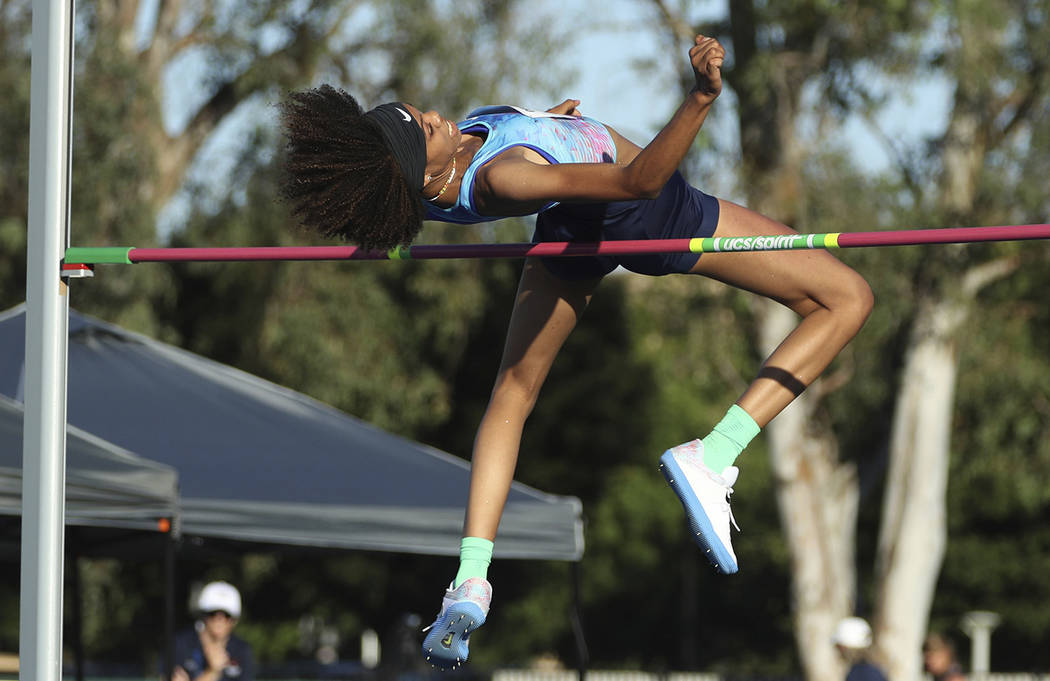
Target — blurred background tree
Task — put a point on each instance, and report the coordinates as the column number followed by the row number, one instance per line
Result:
column 800, row 68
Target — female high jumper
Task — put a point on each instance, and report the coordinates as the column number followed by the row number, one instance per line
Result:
column 372, row 177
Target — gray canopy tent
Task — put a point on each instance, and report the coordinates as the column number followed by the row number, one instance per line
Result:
column 106, row 486
column 261, row 463
column 111, row 495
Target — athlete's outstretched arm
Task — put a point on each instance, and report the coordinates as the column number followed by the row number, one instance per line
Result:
column 517, row 180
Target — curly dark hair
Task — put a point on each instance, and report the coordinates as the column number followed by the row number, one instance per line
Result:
column 340, row 177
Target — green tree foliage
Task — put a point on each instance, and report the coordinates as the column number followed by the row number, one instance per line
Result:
column 384, row 342
column 113, row 168
column 996, row 55
column 378, row 340
column 997, row 501
column 14, row 140
column 998, row 497
column 9, row 570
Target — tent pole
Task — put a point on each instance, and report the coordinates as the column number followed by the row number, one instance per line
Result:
column 582, row 654
column 168, row 656
column 77, row 601
column 46, row 358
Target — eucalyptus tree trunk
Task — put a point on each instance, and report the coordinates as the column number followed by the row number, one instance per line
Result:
column 914, row 530
column 817, row 498
column 817, row 495
column 913, row 534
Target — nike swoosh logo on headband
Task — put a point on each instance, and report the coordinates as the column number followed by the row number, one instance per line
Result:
column 405, row 114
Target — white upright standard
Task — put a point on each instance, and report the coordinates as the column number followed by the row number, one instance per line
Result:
column 47, row 325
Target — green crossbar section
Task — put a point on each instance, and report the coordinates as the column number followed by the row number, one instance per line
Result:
column 116, row 255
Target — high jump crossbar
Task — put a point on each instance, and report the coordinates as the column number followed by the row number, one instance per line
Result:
column 85, row 256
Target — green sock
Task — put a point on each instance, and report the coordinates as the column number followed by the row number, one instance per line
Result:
column 728, row 439
column 475, row 554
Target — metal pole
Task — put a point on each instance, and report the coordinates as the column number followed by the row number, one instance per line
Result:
column 76, row 586
column 583, row 657
column 978, row 625
column 47, row 328
column 168, row 647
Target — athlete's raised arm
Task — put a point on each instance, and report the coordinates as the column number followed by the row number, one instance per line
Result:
column 516, row 182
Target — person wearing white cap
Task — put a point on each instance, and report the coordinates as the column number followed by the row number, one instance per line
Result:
column 852, row 638
column 210, row 651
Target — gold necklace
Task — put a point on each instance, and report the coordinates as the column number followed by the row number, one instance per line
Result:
column 447, row 182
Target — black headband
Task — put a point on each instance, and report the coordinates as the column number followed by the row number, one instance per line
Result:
column 405, row 139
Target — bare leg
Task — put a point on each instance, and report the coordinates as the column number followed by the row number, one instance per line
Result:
column 545, row 312
column 832, row 299
column 833, row 302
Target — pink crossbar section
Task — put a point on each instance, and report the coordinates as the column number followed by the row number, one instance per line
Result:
column 947, row 235
column 906, row 237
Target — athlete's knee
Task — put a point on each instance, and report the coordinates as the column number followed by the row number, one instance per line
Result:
column 519, row 387
column 855, row 298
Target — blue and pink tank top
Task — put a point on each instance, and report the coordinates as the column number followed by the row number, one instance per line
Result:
column 559, row 139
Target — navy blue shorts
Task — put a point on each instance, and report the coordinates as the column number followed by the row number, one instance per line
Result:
column 681, row 211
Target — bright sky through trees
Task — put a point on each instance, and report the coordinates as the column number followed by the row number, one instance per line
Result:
column 613, row 41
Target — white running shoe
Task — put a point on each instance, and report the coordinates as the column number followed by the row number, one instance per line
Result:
column 705, row 496
column 462, row 611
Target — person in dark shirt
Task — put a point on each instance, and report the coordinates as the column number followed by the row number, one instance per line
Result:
column 853, row 640
column 209, row 651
